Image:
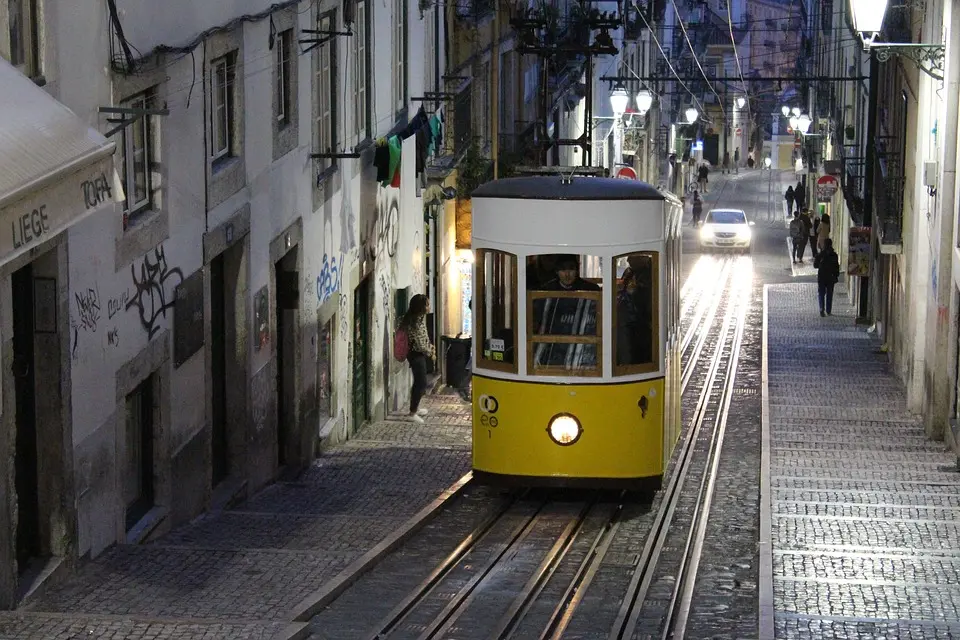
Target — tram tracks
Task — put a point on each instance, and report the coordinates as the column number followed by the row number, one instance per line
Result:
column 526, row 567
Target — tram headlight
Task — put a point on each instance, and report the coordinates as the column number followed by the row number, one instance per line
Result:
column 564, row 429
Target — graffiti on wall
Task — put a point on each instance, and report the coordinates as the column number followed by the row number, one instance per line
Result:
column 328, row 282
column 380, row 234
column 150, row 297
column 88, row 309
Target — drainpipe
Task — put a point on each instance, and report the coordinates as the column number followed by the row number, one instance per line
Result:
column 863, row 310
column 941, row 361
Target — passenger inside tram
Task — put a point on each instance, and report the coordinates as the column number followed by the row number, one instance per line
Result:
column 634, row 312
column 563, row 315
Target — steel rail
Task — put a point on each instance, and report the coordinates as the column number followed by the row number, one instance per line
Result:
column 681, row 598
column 712, row 302
column 563, row 613
column 510, row 621
column 626, row 620
column 399, row 613
column 459, row 603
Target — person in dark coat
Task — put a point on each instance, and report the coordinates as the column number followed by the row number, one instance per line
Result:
column 828, row 273
column 799, row 196
column 788, row 196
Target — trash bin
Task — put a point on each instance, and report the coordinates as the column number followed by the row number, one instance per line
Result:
column 456, row 355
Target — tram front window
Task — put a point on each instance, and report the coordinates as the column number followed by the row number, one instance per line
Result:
column 496, row 309
column 564, row 318
column 636, row 334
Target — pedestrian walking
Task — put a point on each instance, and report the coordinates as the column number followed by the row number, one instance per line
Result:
column 798, row 237
column 823, row 232
column 750, row 161
column 702, row 177
column 413, row 342
column 736, row 160
column 726, row 162
column 697, row 208
column 814, row 229
column 788, row 196
column 828, row 273
column 799, row 196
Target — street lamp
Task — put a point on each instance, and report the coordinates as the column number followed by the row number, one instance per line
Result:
column 796, row 111
column 644, row 101
column 794, row 122
column 618, row 100
column 868, row 22
column 767, row 162
column 741, row 101
column 785, row 110
column 692, row 115
column 803, row 123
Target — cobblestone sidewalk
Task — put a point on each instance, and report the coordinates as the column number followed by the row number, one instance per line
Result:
column 237, row 575
column 860, row 520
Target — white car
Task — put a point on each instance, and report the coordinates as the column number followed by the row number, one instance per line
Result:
column 726, row 229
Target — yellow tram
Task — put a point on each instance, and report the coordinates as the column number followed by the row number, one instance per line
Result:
column 576, row 367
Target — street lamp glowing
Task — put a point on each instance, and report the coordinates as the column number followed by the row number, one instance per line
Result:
column 794, row 122
column 767, row 162
column 868, row 16
column 692, row 115
column 618, row 100
column 741, row 101
column 796, row 111
column 644, row 100
column 803, row 123
column 785, row 110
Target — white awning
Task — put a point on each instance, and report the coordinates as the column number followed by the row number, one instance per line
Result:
column 54, row 169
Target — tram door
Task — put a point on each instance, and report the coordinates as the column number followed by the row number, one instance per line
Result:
column 361, row 355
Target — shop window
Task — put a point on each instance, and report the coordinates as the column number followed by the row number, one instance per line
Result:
column 635, row 313
column 564, row 319
column 496, row 321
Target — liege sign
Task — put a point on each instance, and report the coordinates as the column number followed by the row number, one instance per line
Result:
column 46, row 212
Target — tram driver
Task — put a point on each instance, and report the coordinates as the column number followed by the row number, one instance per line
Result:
column 566, row 316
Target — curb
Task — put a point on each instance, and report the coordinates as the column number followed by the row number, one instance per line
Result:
column 333, row 589
column 765, row 622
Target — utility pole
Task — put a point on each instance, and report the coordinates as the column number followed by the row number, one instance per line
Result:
column 495, row 90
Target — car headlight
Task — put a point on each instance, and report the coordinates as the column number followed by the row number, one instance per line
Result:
column 706, row 233
column 744, row 233
column 564, row 429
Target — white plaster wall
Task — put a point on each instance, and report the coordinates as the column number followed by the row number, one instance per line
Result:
column 148, row 24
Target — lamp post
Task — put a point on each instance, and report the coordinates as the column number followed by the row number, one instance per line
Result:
column 692, row 114
column 644, row 101
column 619, row 98
column 868, row 22
column 785, row 110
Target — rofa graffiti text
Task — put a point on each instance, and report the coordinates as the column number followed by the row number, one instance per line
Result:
column 328, row 282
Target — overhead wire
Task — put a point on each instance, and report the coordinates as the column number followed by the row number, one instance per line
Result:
column 696, row 58
column 736, row 56
column 666, row 59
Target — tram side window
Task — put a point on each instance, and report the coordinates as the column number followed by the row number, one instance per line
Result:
column 563, row 314
column 496, row 309
column 635, row 313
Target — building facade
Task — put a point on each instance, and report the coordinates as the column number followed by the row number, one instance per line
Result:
column 226, row 296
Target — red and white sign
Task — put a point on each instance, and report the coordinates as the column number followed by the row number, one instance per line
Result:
column 626, row 173
column 827, row 187
column 739, row 132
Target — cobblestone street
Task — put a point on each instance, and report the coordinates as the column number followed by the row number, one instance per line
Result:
column 864, row 509
column 239, row 574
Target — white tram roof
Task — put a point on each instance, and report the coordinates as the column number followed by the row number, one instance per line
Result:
column 559, row 188
column 597, row 216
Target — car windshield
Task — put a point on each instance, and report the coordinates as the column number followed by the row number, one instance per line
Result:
column 727, row 217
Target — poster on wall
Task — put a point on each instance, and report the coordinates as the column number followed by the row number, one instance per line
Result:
column 858, row 257
column 466, row 295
